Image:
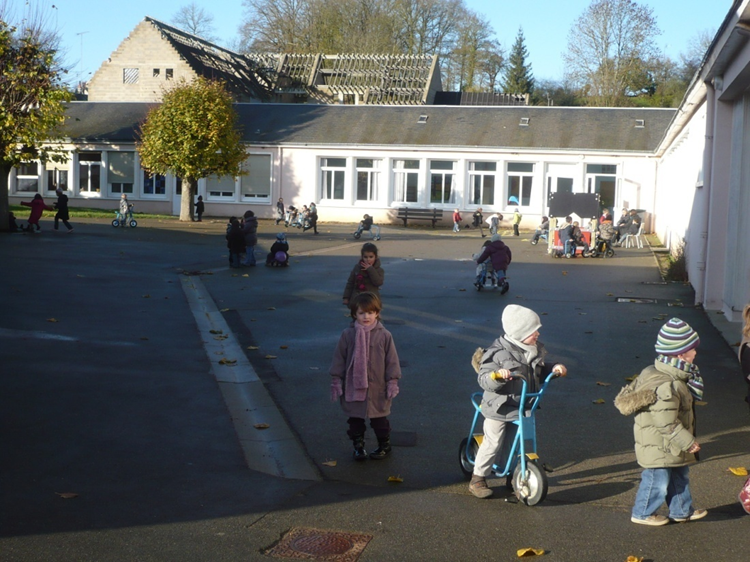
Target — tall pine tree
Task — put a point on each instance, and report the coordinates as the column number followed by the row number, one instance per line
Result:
column 518, row 77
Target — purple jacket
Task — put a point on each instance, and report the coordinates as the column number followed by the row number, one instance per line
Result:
column 499, row 255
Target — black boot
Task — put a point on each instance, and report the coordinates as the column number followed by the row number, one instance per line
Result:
column 359, row 448
column 383, row 450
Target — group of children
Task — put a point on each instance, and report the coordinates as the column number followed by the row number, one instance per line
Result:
column 38, row 206
column 305, row 218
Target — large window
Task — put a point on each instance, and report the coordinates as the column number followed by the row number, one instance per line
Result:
column 441, row 182
column 482, row 181
column 333, row 171
column 602, row 179
column 27, row 177
column 406, row 181
column 368, row 176
column 256, row 183
column 57, row 178
column 220, row 187
column 154, row 184
column 520, row 178
column 89, row 172
column 120, row 171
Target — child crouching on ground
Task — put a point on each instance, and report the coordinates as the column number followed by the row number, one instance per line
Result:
column 518, row 354
column 364, row 375
column 661, row 398
column 279, row 254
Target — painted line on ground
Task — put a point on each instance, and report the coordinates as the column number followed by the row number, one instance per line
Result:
column 275, row 450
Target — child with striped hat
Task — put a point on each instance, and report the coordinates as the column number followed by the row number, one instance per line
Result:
column 661, row 398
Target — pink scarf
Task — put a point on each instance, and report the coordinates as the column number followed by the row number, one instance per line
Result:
column 356, row 374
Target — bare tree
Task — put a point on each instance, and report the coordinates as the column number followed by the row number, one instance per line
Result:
column 276, row 26
column 473, row 44
column 196, row 20
column 37, row 20
column 427, row 26
column 611, row 48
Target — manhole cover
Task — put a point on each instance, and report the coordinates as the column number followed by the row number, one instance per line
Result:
column 636, row 300
column 314, row 544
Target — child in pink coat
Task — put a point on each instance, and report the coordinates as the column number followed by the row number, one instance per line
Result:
column 37, row 208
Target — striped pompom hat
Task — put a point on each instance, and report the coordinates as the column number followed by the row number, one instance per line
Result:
column 676, row 337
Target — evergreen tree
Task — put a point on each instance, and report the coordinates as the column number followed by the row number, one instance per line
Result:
column 518, row 77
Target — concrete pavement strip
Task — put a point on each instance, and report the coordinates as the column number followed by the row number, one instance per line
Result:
column 274, row 450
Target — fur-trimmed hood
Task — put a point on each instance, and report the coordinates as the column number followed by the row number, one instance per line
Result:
column 629, row 401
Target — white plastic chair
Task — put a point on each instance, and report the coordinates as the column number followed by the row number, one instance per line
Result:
column 633, row 240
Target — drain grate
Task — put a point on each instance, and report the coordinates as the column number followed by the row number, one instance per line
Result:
column 636, row 300
column 315, row 544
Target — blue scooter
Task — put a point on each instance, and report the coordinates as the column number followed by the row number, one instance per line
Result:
column 524, row 473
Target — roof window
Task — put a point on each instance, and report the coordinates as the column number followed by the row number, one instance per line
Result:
column 640, row 123
column 423, row 119
column 524, row 122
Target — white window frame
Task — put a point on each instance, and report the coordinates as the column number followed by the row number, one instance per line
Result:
column 371, row 176
column 525, row 183
column 22, row 172
column 481, row 177
column 246, row 179
column 57, row 177
column 89, row 164
column 221, row 191
column 117, row 188
column 401, row 180
column 443, row 175
column 332, row 177
column 154, row 179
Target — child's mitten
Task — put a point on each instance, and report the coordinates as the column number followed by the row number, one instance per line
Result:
column 391, row 390
column 336, row 391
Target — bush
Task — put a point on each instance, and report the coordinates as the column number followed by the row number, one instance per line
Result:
column 676, row 269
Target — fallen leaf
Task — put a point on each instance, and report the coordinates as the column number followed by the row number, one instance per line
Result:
column 524, row 552
column 634, row 559
column 253, row 347
column 738, row 471
column 283, row 346
column 631, row 378
column 329, row 463
column 261, row 426
column 441, row 346
column 226, row 361
column 67, row 495
column 604, row 383
column 700, row 402
column 271, row 308
column 79, row 275
column 146, row 296
column 564, row 272
column 642, row 322
column 226, row 309
column 215, row 331
column 589, row 332
column 245, row 275
column 582, row 313
column 270, row 357
column 543, row 314
column 610, row 294
column 315, row 368
column 235, row 275
column 144, row 338
column 458, row 321
column 599, row 401
column 51, row 319
column 462, row 290
column 225, row 336
column 396, row 479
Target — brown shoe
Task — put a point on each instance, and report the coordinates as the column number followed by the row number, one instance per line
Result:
column 479, row 488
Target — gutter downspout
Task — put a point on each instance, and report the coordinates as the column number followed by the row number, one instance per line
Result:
column 708, row 157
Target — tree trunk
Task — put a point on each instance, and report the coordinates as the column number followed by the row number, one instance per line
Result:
column 4, row 203
column 187, row 206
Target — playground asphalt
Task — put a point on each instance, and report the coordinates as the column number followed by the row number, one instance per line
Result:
column 139, row 373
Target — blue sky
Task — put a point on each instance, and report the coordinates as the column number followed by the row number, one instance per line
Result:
column 91, row 30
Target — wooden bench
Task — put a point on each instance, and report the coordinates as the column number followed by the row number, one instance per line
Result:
column 406, row 213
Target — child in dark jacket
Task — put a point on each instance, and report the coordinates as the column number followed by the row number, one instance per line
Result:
column 279, row 254
column 367, row 275
column 518, row 353
column 500, row 256
column 235, row 243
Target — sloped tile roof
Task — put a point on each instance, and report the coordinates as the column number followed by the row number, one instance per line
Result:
column 619, row 130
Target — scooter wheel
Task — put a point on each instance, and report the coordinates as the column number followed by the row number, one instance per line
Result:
column 115, row 223
column 531, row 487
column 357, row 235
column 609, row 253
column 467, row 462
column 133, row 224
column 534, row 242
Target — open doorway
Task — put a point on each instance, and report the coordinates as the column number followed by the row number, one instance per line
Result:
column 602, row 179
